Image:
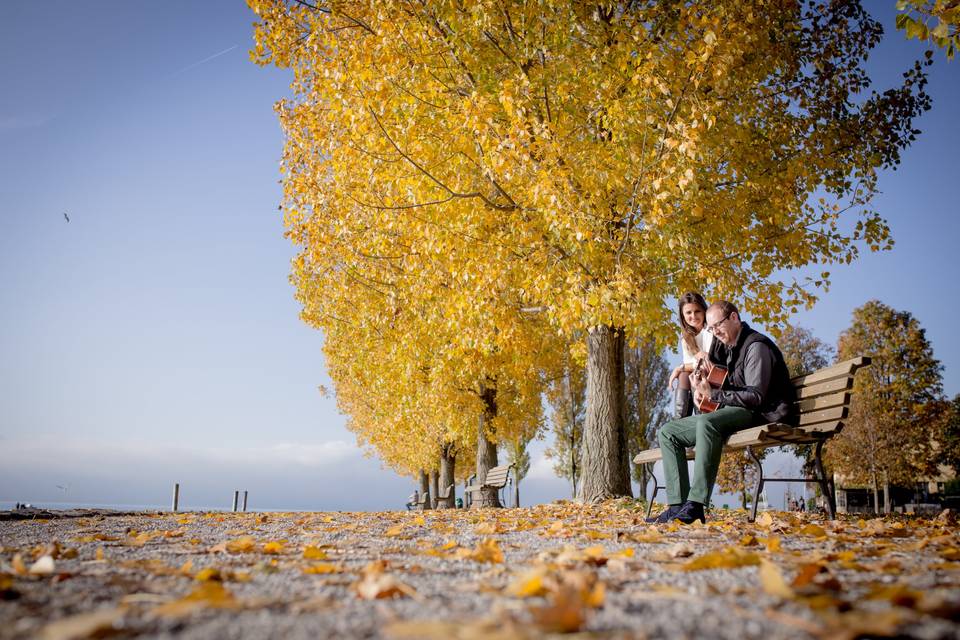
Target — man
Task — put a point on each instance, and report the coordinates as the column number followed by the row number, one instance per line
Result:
column 757, row 391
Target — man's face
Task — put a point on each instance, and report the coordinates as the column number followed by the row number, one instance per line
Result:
column 726, row 328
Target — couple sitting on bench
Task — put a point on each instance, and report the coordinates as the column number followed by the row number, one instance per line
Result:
column 757, row 390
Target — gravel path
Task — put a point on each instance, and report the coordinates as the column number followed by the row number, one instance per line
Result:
column 593, row 571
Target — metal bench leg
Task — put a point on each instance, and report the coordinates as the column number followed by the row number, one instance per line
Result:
column 656, row 488
column 822, row 480
column 759, row 489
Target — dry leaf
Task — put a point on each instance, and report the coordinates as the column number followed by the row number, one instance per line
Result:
column 311, row 552
column 764, row 520
column 376, row 585
column 85, row 625
column 207, row 595
column 273, row 547
column 44, row 566
column 244, row 544
column 529, row 584
column 728, row 558
column 321, row 568
column 487, row 551
column 772, row 580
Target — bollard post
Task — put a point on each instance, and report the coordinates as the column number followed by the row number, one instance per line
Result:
column 176, row 496
column 236, row 498
column 244, row 500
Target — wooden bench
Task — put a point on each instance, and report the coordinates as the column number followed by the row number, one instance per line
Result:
column 445, row 497
column 823, row 402
column 496, row 479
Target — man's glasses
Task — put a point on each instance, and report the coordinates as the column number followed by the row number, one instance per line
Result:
column 713, row 327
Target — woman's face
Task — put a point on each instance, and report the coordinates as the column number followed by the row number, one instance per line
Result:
column 693, row 315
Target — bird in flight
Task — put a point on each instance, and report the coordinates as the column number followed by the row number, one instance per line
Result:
column 66, row 216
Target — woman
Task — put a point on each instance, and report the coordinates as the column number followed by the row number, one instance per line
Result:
column 695, row 343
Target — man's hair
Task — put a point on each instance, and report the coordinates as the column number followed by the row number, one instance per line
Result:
column 725, row 307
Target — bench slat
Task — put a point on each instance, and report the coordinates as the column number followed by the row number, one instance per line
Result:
column 822, row 402
column 812, row 391
column 841, row 369
column 813, row 417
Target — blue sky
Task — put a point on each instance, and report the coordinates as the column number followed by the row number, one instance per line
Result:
column 154, row 338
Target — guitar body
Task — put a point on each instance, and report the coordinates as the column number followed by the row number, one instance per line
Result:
column 716, row 377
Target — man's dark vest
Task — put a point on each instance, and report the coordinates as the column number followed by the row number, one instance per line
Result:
column 778, row 402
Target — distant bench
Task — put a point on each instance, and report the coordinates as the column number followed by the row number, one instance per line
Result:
column 823, row 402
column 496, row 478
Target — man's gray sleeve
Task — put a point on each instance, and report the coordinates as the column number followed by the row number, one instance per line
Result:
column 758, row 370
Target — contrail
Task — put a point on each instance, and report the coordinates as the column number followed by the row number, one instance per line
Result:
column 197, row 64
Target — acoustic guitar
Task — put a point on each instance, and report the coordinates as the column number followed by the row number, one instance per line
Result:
column 715, row 375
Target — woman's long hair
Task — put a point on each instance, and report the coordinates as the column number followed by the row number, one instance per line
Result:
column 687, row 333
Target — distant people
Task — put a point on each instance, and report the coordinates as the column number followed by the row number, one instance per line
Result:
column 757, row 390
column 695, row 343
column 413, row 500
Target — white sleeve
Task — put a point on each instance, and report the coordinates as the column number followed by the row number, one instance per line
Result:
column 705, row 340
column 688, row 358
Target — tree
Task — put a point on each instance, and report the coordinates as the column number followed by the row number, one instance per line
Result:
column 519, row 457
column 803, row 353
column 890, row 435
column 566, row 396
column 950, row 436
column 588, row 161
column 647, row 374
column 936, row 21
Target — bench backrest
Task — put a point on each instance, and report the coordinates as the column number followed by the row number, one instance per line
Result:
column 497, row 476
column 823, row 397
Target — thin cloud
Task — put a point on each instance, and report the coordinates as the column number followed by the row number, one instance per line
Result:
column 205, row 60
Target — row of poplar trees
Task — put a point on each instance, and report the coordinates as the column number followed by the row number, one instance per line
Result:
column 485, row 194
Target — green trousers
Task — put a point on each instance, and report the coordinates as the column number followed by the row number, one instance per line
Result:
column 707, row 432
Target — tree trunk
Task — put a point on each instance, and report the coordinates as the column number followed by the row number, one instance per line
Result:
column 448, row 460
column 876, row 495
column 886, row 493
column 572, row 418
column 425, row 488
column 434, row 489
column 516, row 487
column 604, row 462
column 486, row 452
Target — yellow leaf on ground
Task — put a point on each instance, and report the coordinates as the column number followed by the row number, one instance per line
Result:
column 210, row 573
column 394, row 531
column 377, row 585
column 244, row 544
column 321, row 568
column 728, row 558
column 85, row 625
column 765, row 520
column 813, row 530
column 487, row 551
column 208, row 595
column 528, row 585
column 273, row 547
column 772, row 580
column 487, row 528
column 311, row 552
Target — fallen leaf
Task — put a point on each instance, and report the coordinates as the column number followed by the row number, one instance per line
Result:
column 764, row 520
column 377, row 585
column 44, row 566
column 487, row 551
column 728, row 558
column 84, row 625
column 311, row 552
column 273, row 548
column 321, row 568
column 771, row 579
column 207, row 595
